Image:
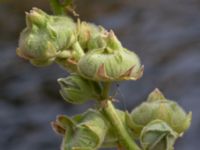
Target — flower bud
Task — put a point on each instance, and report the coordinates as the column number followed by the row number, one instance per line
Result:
column 157, row 135
column 110, row 63
column 86, row 32
column 92, row 127
column 82, row 132
column 158, row 107
column 44, row 36
column 77, row 90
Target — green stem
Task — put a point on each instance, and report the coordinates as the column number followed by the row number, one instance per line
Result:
column 106, row 89
column 125, row 139
column 123, row 135
column 57, row 8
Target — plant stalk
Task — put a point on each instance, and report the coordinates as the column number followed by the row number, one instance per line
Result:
column 57, row 8
column 125, row 139
column 108, row 108
column 106, row 89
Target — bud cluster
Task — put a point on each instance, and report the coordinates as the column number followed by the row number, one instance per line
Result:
column 95, row 57
column 45, row 37
column 84, row 48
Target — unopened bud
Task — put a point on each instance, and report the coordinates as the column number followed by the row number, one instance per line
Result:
column 76, row 89
column 45, row 36
column 82, row 132
column 111, row 63
column 86, row 32
column 157, row 135
column 158, row 107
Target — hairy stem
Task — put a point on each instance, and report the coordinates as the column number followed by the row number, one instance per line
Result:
column 125, row 139
column 106, row 89
column 57, row 8
column 119, row 128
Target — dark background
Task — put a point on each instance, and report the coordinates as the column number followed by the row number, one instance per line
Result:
column 164, row 33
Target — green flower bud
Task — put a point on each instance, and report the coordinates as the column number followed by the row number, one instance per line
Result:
column 110, row 63
column 86, row 32
column 92, row 128
column 77, row 90
column 82, row 132
column 45, row 36
column 88, row 130
column 158, row 107
column 157, row 135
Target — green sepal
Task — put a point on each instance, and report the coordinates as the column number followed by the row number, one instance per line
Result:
column 63, row 124
column 68, row 59
column 134, row 128
column 156, row 95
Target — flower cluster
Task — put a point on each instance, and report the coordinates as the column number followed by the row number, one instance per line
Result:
column 84, row 48
column 95, row 57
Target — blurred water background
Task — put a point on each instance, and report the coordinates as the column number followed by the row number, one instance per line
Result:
column 164, row 33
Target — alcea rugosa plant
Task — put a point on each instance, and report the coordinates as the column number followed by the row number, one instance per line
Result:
column 95, row 58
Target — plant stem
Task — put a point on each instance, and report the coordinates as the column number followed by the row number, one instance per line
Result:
column 125, row 139
column 123, row 135
column 106, row 89
column 57, row 8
